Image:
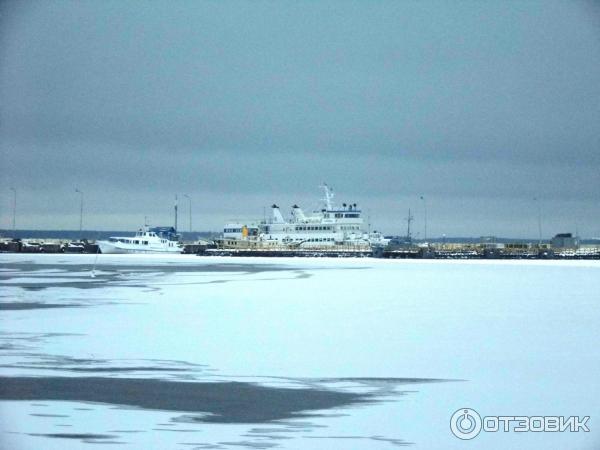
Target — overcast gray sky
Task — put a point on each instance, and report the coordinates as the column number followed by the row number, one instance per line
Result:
column 480, row 107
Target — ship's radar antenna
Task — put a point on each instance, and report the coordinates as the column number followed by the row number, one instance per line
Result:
column 328, row 195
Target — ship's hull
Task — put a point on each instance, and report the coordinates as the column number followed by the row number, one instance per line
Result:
column 277, row 245
column 117, row 248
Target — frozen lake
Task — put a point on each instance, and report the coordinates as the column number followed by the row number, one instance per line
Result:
column 226, row 353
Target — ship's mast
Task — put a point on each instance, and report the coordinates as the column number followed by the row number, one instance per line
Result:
column 328, row 196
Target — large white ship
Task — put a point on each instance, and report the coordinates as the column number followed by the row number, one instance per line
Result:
column 146, row 240
column 332, row 227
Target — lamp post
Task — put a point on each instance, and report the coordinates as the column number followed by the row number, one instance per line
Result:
column 539, row 219
column 190, row 209
column 80, row 212
column 425, row 216
column 409, row 219
column 175, row 212
column 14, row 223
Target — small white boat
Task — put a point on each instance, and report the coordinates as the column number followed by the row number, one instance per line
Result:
column 146, row 240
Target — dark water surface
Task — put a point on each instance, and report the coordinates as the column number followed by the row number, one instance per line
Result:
column 220, row 402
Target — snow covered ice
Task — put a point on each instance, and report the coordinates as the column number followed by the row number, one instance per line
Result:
column 292, row 353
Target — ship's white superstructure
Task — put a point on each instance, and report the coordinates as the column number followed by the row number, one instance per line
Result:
column 146, row 240
column 332, row 226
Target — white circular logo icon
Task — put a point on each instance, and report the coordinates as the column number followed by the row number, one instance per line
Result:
column 465, row 423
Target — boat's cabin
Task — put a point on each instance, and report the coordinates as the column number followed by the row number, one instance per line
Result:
column 342, row 214
column 144, row 233
column 138, row 240
column 240, row 231
column 150, row 236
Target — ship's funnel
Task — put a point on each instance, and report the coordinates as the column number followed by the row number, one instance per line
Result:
column 277, row 217
column 298, row 214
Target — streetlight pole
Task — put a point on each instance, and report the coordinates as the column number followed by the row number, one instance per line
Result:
column 425, row 216
column 14, row 224
column 539, row 217
column 175, row 212
column 190, row 209
column 80, row 212
column 409, row 219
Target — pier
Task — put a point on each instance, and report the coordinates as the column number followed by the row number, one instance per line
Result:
column 436, row 250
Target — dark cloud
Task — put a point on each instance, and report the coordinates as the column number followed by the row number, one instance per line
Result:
column 478, row 106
